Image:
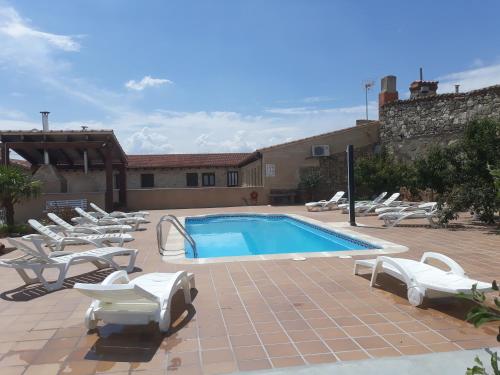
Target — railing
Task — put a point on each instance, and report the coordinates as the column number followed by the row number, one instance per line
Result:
column 180, row 228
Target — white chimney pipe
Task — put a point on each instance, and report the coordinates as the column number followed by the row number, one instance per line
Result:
column 45, row 120
column 45, row 125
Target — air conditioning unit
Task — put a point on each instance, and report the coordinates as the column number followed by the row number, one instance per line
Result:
column 321, row 150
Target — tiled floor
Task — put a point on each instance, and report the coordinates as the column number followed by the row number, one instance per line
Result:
column 251, row 315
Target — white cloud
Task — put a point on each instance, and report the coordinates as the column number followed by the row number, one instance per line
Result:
column 14, row 26
column 471, row 79
column 477, row 63
column 12, row 114
column 147, row 141
column 317, row 99
column 308, row 111
column 147, row 81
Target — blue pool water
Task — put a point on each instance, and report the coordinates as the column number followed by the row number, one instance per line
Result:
column 224, row 235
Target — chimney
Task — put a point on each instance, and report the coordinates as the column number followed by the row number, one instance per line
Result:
column 388, row 92
column 45, row 127
column 45, row 120
column 421, row 88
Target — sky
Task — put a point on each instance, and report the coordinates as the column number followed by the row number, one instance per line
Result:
column 192, row 76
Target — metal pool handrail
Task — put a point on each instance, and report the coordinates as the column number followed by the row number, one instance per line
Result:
column 180, row 228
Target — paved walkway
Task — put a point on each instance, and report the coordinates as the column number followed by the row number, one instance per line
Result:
column 251, row 315
column 450, row 363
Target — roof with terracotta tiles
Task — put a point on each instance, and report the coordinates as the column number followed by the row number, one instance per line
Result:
column 19, row 163
column 186, row 160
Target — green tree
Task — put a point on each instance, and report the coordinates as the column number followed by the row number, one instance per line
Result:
column 381, row 172
column 460, row 173
column 310, row 181
column 15, row 185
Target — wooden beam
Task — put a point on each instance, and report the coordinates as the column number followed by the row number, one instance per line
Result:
column 52, row 145
column 5, row 153
column 122, row 180
column 108, row 197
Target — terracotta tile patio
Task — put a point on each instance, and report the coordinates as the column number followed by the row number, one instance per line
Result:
column 251, row 315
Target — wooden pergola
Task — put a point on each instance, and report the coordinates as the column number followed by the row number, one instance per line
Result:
column 71, row 150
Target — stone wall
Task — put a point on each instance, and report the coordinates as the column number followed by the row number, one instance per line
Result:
column 409, row 127
column 333, row 170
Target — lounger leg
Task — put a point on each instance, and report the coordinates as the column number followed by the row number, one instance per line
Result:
column 131, row 263
column 375, row 272
column 356, row 268
column 50, row 286
column 164, row 323
column 186, row 290
column 90, row 320
column 26, row 278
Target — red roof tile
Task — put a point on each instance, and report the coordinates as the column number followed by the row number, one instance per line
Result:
column 19, row 163
column 186, row 160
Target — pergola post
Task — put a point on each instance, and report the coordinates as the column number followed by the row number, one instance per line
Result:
column 108, row 166
column 4, row 149
column 122, row 185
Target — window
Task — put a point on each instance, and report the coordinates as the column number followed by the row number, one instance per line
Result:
column 208, row 179
column 270, row 170
column 232, row 178
column 117, row 181
column 191, row 179
column 147, row 180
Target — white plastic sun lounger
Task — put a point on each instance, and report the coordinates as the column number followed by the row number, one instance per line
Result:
column 345, row 206
column 142, row 300
column 324, row 204
column 117, row 214
column 391, row 201
column 406, row 207
column 392, row 219
column 68, row 229
column 87, row 218
column 37, row 261
column 421, row 278
column 57, row 242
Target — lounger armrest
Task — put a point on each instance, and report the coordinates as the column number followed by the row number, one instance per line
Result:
column 87, row 230
column 56, row 254
column 405, row 272
column 71, row 240
column 120, row 277
column 454, row 266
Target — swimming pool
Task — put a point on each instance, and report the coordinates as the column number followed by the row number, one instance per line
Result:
column 241, row 235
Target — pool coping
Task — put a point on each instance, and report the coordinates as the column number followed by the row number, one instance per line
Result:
column 175, row 243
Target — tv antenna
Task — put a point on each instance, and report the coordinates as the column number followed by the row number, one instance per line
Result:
column 368, row 84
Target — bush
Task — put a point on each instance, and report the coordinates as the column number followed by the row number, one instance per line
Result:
column 461, row 173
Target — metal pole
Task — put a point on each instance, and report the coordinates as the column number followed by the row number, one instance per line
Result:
column 366, row 100
column 350, row 184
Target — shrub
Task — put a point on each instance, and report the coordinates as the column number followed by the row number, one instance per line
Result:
column 461, row 173
column 381, row 172
column 15, row 185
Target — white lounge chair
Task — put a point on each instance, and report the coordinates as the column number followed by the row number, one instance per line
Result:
column 118, row 214
column 370, row 207
column 67, row 228
column 145, row 299
column 406, row 207
column 57, row 242
column 378, row 199
column 421, row 278
column 392, row 219
column 88, row 219
column 326, row 205
column 37, row 261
